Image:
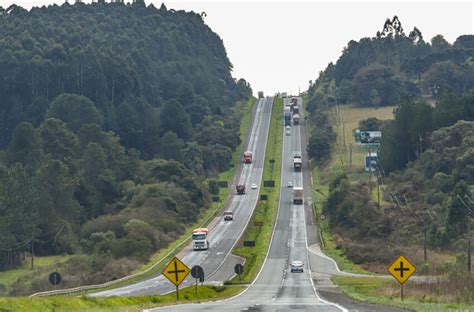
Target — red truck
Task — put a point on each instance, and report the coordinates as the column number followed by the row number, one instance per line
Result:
column 248, row 157
column 240, row 188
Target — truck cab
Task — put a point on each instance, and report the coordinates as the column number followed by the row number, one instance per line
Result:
column 199, row 237
column 296, row 119
column 240, row 188
column 228, row 216
column 248, row 157
column 297, row 195
column 297, row 164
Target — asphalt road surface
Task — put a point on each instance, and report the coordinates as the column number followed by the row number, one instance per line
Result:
column 223, row 235
column 276, row 288
column 294, row 238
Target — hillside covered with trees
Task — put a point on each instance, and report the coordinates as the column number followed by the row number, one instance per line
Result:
column 108, row 117
column 426, row 160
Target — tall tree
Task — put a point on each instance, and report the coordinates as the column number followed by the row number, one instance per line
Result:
column 75, row 111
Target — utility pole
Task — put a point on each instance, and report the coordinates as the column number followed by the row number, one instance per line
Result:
column 425, row 227
column 470, row 213
column 378, row 192
column 350, row 157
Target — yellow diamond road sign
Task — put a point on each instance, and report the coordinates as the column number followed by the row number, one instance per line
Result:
column 401, row 269
column 176, row 271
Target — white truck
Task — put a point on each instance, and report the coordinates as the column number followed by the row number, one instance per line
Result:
column 298, row 195
column 296, row 119
column 200, row 241
column 297, row 164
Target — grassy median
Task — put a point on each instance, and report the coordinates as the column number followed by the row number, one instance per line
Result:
column 266, row 210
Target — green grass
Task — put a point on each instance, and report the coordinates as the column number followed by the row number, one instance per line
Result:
column 348, row 120
column 7, row 278
column 187, row 295
column 265, row 211
column 387, row 292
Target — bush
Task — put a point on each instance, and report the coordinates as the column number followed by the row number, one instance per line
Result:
column 115, row 269
column 218, row 288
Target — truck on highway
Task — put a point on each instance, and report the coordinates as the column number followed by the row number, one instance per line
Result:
column 287, row 119
column 297, row 195
column 248, row 157
column 297, row 164
column 240, row 188
column 260, row 94
column 228, row 216
column 200, row 241
column 296, row 119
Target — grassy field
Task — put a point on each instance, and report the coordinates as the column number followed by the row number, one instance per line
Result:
column 187, row 295
column 347, row 120
column 387, row 292
column 266, row 210
column 7, row 278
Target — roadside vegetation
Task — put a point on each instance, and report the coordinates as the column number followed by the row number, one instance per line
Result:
column 424, row 182
column 451, row 295
column 266, row 210
column 106, row 150
column 46, row 265
column 187, row 295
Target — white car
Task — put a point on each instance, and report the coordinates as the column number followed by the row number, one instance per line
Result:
column 296, row 266
column 254, row 186
column 290, row 184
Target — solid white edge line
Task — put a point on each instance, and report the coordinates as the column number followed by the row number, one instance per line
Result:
column 257, row 125
column 244, row 290
column 306, row 242
column 263, row 101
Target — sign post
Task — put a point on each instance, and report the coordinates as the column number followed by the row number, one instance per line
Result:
column 401, row 269
column 198, row 273
column 239, row 269
column 176, row 271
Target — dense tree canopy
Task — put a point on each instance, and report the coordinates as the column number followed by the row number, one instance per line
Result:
column 109, row 115
column 392, row 67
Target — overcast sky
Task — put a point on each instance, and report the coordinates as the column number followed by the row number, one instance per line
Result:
column 281, row 45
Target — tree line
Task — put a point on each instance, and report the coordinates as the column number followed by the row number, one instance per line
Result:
column 109, row 117
column 392, row 66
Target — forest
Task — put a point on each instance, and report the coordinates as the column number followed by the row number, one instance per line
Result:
column 426, row 160
column 108, row 117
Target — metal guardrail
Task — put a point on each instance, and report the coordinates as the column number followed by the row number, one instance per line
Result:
column 125, row 278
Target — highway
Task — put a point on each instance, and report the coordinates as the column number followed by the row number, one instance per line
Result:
column 276, row 288
column 217, row 262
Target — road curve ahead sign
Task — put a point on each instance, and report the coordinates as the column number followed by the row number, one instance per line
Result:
column 176, row 271
column 401, row 269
